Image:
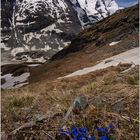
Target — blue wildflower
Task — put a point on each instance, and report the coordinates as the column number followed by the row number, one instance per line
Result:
column 104, row 138
column 91, row 137
column 74, row 132
column 83, row 132
column 104, row 130
column 111, row 126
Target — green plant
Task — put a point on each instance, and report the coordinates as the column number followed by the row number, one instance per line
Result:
column 107, row 80
column 133, row 80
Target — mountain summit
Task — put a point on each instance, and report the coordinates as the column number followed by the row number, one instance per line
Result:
column 94, row 10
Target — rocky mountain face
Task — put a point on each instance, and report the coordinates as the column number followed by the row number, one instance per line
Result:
column 34, row 30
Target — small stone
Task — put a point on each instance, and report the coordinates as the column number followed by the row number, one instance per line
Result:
column 118, row 107
column 79, row 104
column 99, row 101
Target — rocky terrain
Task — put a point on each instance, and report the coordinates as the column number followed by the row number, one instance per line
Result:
column 51, row 98
column 34, row 30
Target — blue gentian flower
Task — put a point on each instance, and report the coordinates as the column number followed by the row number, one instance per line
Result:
column 104, row 130
column 74, row 132
column 91, row 137
column 111, row 126
column 81, row 133
column 104, row 138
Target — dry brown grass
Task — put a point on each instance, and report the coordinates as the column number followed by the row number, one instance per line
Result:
column 56, row 97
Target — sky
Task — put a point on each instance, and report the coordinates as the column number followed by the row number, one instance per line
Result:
column 126, row 3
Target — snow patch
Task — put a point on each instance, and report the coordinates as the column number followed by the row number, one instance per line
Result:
column 111, row 6
column 41, row 59
column 52, row 28
column 60, row 48
column 34, row 65
column 114, row 43
column 131, row 56
column 3, row 46
column 17, row 50
column 14, row 81
column 60, row 21
column 80, row 14
column 66, row 43
column 47, row 48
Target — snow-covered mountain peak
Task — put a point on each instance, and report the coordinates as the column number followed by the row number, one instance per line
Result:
column 95, row 10
column 91, row 5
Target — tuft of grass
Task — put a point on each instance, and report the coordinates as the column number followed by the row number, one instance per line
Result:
column 20, row 102
column 88, row 88
column 133, row 80
column 107, row 80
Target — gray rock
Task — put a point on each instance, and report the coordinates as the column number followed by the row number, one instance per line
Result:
column 98, row 101
column 118, row 107
column 78, row 104
column 119, row 79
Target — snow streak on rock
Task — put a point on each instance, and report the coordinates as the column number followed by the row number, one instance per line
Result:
column 114, row 43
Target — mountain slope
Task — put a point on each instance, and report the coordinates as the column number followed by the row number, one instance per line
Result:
column 33, row 29
column 93, row 45
column 120, row 25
